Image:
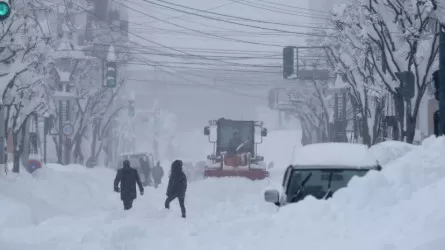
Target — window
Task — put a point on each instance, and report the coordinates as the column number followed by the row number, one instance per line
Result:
column 317, row 182
column 226, row 129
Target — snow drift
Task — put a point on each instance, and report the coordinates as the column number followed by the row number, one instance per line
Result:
column 388, row 151
column 399, row 208
column 54, row 191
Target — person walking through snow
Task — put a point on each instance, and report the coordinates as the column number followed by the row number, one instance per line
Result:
column 128, row 178
column 158, row 173
column 177, row 186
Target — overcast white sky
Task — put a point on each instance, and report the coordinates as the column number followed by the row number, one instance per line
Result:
column 173, row 46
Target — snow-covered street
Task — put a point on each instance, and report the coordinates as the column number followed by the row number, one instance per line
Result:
column 70, row 207
column 222, row 125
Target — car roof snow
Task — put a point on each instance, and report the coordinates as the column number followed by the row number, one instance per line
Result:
column 334, row 155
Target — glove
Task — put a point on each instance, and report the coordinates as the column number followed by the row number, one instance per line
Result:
column 116, row 189
column 142, row 192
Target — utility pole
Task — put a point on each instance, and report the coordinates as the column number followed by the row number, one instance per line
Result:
column 2, row 137
column 441, row 79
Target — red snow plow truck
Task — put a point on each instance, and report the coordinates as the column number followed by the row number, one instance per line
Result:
column 235, row 149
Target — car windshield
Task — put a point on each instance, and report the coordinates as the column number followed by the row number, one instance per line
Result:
column 319, row 182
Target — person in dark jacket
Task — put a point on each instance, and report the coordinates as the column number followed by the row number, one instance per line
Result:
column 158, row 173
column 146, row 170
column 234, row 143
column 128, row 178
column 177, row 186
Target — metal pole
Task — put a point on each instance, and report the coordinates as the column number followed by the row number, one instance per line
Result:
column 60, row 134
column 2, row 137
column 44, row 142
column 442, row 80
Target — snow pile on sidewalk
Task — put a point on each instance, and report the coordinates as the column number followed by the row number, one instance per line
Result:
column 389, row 151
column 55, row 190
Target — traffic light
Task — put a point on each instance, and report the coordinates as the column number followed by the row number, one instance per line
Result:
column 288, row 62
column 436, row 81
column 406, row 79
column 111, row 75
column 5, row 9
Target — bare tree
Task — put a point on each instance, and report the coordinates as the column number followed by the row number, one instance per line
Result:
column 393, row 36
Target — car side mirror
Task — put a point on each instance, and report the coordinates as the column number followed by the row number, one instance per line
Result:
column 264, row 132
column 206, row 130
column 272, row 196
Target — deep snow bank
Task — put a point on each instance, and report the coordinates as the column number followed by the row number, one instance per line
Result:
column 388, row 151
column 54, row 191
column 397, row 208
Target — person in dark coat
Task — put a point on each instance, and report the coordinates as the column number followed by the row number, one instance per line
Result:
column 234, row 143
column 128, row 178
column 146, row 170
column 177, row 186
column 158, row 173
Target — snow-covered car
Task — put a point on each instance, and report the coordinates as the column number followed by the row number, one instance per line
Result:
column 321, row 169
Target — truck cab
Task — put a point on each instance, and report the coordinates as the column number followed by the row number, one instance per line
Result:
column 319, row 170
column 235, row 149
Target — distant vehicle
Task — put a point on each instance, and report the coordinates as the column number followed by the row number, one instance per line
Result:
column 235, row 149
column 319, row 170
column 134, row 163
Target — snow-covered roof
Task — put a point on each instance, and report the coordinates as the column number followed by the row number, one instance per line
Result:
column 345, row 155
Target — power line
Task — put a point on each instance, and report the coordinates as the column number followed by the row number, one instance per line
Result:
column 294, row 7
column 153, row 42
column 182, row 83
column 239, row 18
column 281, row 11
column 210, row 86
column 240, row 24
column 206, row 69
column 265, row 57
column 161, row 67
column 179, row 16
column 204, row 50
column 200, row 32
column 190, row 63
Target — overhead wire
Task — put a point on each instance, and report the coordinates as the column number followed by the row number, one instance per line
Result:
column 237, row 17
column 140, row 52
column 153, row 42
column 236, row 23
column 183, row 15
column 162, row 67
column 198, row 31
column 281, row 11
column 294, row 7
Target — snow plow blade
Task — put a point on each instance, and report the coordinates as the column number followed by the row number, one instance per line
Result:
column 252, row 174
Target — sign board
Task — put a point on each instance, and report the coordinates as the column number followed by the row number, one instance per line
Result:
column 100, row 50
column 306, row 63
column 67, row 129
column 33, row 165
column 282, row 98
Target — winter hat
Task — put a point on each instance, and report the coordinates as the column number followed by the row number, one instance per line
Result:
column 177, row 165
